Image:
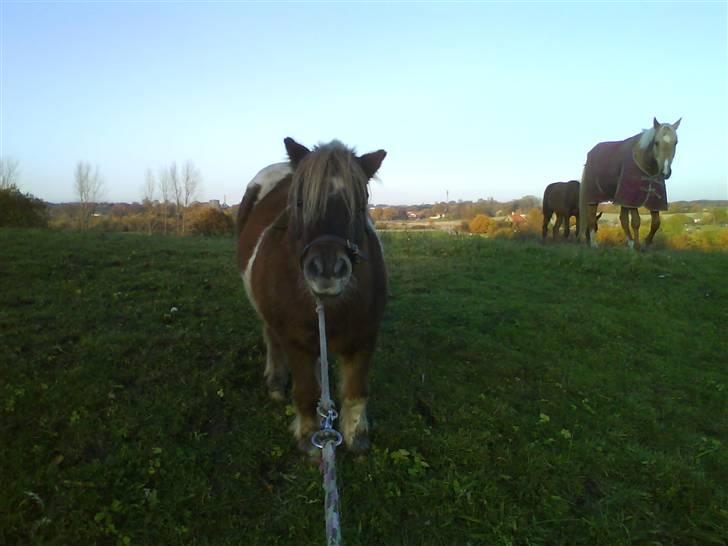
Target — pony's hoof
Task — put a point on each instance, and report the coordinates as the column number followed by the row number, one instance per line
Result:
column 276, row 395
column 310, row 451
column 360, row 444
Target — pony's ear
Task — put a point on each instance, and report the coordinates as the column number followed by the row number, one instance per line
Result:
column 676, row 124
column 656, row 124
column 370, row 163
column 296, row 151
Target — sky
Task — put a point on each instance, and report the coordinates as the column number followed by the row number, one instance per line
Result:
column 469, row 99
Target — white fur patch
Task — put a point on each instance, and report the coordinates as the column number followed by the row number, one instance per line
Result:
column 269, row 177
column 665, row 168
column 667, row 138
column 353, row 419
column 593, row 238
column 248, row 273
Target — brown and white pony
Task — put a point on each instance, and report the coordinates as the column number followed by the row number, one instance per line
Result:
column 304, row 232
column 561, row 198
column 630, row 173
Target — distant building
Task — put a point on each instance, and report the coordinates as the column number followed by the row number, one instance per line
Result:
column 215, row 204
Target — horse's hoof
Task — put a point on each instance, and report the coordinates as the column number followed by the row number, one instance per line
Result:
column 308, row 449
column 277, row 395
column 360, row 444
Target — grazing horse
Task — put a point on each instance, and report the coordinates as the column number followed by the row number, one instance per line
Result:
column 304, row 234
column 561, row 198
column 630, row 173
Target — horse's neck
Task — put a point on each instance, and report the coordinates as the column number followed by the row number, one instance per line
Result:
column 644, row 158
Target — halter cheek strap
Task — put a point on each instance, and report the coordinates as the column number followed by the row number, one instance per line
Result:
column 353, row 251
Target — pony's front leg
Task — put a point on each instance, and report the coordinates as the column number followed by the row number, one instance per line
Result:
column 557, row 225
column 566, row 226
column 355, row 391
column 305, row 393
column 624, row 220
column 654, row 226
column 591, row 225
column 545, row 226
column 636, row 227
column 276, row 366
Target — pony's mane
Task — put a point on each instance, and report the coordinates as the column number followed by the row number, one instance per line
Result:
column 648, row 135
column 310, row 186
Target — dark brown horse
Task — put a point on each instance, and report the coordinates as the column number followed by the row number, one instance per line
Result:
column 630, row 173
column 304, row 233
column 561, row 198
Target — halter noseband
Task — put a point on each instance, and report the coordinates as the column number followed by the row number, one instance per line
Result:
column 353, row 251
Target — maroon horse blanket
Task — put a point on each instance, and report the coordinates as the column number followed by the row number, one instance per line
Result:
column 611, row 174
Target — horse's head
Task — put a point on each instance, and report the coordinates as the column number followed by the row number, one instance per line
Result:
column 663, row 145
column 328, row 203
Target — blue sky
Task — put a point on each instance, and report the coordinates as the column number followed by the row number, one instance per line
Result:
column 478, row 99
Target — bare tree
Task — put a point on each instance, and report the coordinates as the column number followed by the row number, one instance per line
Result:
column 88, row 187
column 150, row 187
column 190, row 183
column 9, row 172
column 165, row 189
column 178, row 196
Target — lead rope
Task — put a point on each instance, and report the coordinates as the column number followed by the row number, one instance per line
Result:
column 327, row 439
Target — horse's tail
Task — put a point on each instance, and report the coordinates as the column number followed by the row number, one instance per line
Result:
column 583, row 208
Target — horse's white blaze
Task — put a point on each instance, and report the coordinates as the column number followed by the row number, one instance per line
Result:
column 667, row 138
column 353, row 418
column 268, row 178
column 665, row 168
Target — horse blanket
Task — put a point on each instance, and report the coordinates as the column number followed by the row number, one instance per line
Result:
column 612, row 174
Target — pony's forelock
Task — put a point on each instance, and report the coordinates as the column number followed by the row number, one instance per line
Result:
column 312, row 178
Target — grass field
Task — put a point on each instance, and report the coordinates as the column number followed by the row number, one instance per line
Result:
column 520, row 395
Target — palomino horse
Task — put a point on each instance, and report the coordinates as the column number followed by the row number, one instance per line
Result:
column 304, row 234
column 561, row 198
column 630, row 173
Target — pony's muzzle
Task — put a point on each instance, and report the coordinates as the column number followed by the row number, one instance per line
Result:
column 327, row 274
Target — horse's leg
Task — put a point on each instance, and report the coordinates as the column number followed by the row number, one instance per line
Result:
column 355, row 391
column 545, row 228
column 576, row 232
column 636, row 228
column 305, row 394
column 624, row 220
column 557, row 225
column 276, row 366
column 591, row 219
column 566, row 226
column 654, row 226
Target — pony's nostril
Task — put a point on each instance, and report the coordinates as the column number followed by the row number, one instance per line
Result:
column 315, row 267
column 341, row 269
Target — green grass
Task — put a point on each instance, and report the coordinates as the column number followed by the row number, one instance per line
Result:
column 520, row 395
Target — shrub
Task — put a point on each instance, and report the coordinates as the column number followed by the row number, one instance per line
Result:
column 21, row 210
column 611, row 236
column 479, row 224
column 211, row 222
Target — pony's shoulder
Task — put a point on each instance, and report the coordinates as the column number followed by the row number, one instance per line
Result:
column 268, row 178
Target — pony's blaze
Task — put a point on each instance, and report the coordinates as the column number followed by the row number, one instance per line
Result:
column 664, row 149
column 327, row 269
